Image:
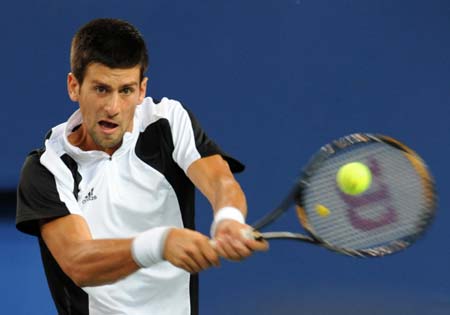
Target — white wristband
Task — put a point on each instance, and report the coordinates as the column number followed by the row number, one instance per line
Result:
column 147, row 248
column 226, row 213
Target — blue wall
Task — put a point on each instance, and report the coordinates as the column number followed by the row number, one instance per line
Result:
column 271, row 81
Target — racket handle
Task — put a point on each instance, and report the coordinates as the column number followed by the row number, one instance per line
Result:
column 246, row 233
column 252, row 234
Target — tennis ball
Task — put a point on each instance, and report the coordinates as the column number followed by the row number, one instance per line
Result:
column 354, row 178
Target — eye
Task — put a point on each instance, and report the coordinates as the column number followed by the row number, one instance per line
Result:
column 127, row 90
column 101, row 89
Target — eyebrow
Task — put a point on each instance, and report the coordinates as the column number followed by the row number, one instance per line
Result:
column 96, row 82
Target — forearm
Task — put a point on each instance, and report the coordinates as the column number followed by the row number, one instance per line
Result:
column 212, row 176
column 97, row 262
column 228, row 193
column 85, row 260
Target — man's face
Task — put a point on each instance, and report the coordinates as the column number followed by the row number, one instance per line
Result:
column 108, row 99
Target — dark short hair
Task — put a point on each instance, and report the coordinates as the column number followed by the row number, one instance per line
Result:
column 111, row 42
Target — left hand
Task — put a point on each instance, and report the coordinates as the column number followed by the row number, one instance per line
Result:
column 231, row 243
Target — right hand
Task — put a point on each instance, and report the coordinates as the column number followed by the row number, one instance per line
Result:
column 190, row 250
column 231, row 242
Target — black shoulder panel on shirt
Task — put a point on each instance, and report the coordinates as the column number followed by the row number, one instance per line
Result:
column 73, row 167
column 155, row 147
column 37, row 196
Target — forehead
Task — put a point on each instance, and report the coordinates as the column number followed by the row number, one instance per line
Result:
column 99, row 73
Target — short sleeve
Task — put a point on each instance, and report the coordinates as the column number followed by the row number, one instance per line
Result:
column 191, row 141
column 37, row 196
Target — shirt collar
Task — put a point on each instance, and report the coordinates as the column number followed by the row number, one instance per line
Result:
column 129, row 138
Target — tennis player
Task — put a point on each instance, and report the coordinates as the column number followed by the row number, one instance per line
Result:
column 110, row 196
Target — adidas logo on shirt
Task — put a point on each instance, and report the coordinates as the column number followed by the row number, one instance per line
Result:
column 89, row 197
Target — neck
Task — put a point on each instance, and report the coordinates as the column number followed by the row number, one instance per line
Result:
column 81, row 139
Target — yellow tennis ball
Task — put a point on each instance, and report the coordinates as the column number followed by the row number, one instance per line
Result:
column 354, row 178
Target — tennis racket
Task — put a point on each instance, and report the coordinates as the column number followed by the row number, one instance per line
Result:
column 388, row 217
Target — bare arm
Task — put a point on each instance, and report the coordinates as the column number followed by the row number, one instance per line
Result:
column 90, row 262
column 213, row 177
column 86, row 261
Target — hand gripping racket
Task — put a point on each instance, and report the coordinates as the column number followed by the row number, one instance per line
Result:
column 388, row 217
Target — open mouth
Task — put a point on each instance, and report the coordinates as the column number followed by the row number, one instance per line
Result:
column 107, row 125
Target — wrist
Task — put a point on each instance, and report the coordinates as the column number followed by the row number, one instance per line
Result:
column 148, row 247
column 226, row 213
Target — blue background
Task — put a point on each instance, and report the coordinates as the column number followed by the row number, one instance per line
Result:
column 271, row 81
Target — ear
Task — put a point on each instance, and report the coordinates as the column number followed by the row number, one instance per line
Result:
column 73, row 87
column 143, row 89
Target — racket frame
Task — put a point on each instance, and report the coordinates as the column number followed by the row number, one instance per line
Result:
column 295, row 197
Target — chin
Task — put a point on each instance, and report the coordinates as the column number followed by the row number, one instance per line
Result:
column 108, row 144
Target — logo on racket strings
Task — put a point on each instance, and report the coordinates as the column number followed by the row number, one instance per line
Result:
column 378, row 199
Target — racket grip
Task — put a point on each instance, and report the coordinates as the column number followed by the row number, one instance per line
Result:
column 257, row 236
column 252, row 234
column 246, row 233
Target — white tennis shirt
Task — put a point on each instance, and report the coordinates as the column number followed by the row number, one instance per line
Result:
column 141, row 186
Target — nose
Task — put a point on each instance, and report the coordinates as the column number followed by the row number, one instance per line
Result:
column 113, row 106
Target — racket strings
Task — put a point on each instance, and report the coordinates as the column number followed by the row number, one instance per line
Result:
column 396, row 208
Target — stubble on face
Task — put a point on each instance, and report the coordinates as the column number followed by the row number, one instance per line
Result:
column 108, row 99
